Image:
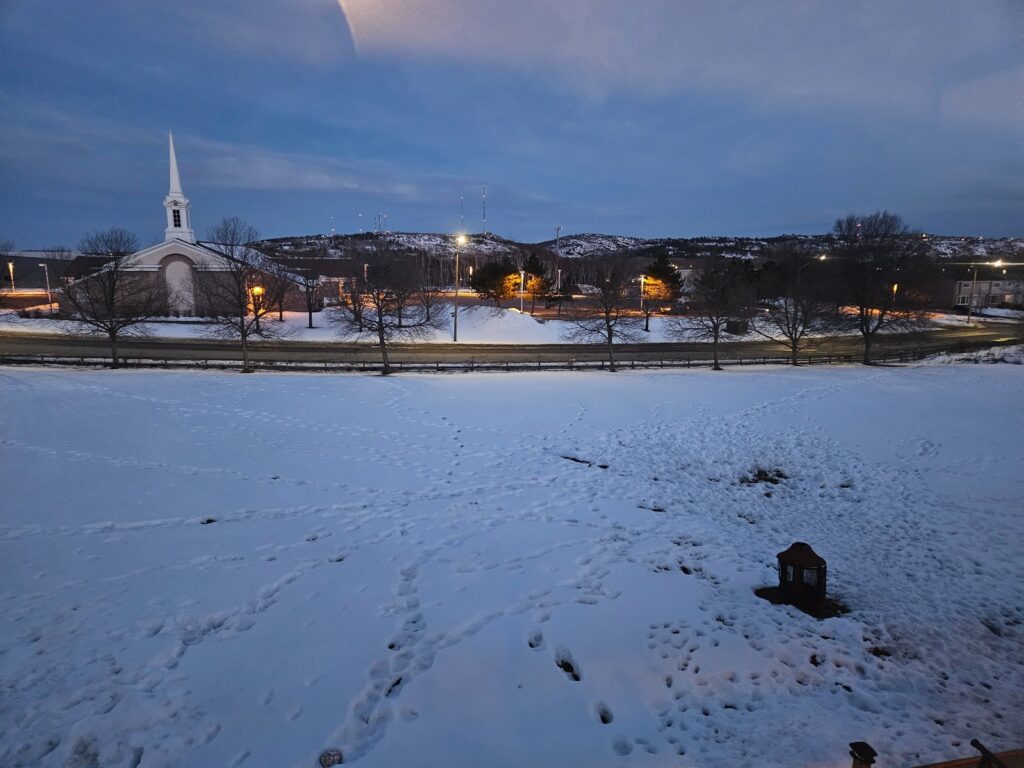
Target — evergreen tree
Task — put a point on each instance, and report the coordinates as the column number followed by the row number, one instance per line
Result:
column 495, row 281
column 538, row 285
column 661, row 284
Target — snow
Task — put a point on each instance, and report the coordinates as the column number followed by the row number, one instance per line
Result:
column 409, row 569
column 478, row 324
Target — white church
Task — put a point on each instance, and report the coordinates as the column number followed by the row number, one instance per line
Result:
column 179, row 257
column 180, row 263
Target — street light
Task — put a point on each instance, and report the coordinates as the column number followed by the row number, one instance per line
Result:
column 49, row 296
column 257, row 300
column 460, row 240
column 642, row 278
column 522, row 288
column 970, row 300
column 10, row 271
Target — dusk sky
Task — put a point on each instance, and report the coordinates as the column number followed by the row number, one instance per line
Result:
column 649, row 118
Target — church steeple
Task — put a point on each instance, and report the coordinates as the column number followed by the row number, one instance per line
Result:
column 179, row 210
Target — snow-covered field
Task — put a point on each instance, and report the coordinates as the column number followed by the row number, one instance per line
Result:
column 477, row 325
column 208, row 569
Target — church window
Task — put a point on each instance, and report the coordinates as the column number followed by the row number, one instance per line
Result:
column 177, row 217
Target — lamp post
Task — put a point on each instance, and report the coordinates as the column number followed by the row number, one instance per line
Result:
column 10, row 271
column 558, row 280
column 257, row 300
column 970, row 301
column 49, row 295
column 522, row 288
column 460, row 240
column 642, row 278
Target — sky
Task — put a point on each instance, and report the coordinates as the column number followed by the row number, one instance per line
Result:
column 651, row 118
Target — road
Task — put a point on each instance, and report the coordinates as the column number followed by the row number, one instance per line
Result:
column 320, row 352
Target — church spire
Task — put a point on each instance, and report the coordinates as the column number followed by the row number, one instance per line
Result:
column 175, row 178
column 179, row 210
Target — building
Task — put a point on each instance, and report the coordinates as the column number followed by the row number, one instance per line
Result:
column 989, row 293
column 181, row 266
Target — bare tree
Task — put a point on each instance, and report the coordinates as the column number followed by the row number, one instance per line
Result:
column 312, row 291
column 114, row 299
column 381, row 311
column 243, row 290
column 800, row 310
column 431, row 296
column 354, row 301
column 884, row 265
column 404, row 286
column 604, row 318
column 723, row 291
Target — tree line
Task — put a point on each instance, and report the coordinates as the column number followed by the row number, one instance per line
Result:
column 876, row 278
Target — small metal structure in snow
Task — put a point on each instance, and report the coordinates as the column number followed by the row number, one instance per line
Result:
column 801, row 575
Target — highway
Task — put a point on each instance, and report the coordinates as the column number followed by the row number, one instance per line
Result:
column 157, row 349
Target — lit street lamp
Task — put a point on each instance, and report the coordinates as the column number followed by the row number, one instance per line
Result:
column 10, row 271
column 522, row 288
column 49, row 295
column 642, row 278
column 460, row 241
column 257, row 300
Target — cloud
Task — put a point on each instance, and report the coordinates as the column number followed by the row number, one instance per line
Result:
column 995, row 99
column 237, row 166
column 310, row 31
column 861, row 54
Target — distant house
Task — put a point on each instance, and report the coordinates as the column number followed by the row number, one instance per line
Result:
column 989, row 293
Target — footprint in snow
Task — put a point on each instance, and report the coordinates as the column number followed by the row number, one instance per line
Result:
column 621, row 746
column 565, row 662
column 535, row 639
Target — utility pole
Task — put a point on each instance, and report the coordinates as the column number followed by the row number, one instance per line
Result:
column 460, row 239
column 558, row 258
column 49, row 295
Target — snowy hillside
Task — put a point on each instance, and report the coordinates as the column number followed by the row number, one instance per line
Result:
column 585, row 245
column 546, row 570
column 326, row 245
